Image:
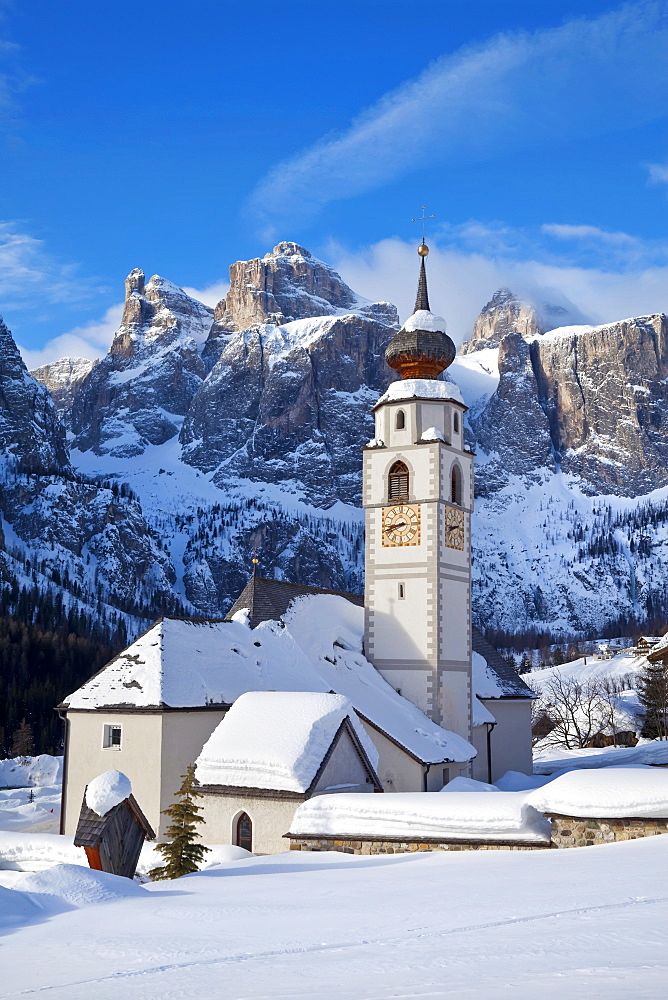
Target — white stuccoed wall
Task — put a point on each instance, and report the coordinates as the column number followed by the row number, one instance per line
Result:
column 156, row 748
column 421, row 644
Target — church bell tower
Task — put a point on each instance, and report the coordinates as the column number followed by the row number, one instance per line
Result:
column 418, row 498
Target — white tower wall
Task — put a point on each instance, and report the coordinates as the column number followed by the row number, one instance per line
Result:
column 418, row 588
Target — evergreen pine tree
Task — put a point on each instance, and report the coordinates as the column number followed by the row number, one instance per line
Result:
column 653, row 696
column 22, row 740
column 182, row 853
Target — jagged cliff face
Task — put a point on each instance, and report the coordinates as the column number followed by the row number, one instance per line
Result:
column 270, row 397
column 137, row 395
column 570, row 444
column 590, row 402
column 504, row 314
column 511, row 432
column 64, row 529
column 604, row 393
column 281, row 405
column 63, row 379
column 285, row 285
column 290, row 405
column 31, row 436
column 289, row 284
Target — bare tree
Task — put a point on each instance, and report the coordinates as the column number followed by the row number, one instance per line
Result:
column 579, row 710
column 609, row 691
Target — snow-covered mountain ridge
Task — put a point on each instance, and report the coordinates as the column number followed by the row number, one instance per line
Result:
column 241, row 427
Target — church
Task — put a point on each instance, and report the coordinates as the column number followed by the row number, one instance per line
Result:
column 304, row 692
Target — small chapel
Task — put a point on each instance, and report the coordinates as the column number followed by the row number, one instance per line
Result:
column 302, row 691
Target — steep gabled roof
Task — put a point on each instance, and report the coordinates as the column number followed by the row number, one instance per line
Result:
column 281, row 740
column 268, row 600
column 181, row 664
column 508, row 681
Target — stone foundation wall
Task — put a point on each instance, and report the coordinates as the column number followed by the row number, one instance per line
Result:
column 577, row 831
column 347, row 846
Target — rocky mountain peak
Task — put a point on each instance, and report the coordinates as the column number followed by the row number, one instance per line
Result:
column 288, row 249
column 158, row 311
column 504, row 313
column 135, row 282
column 63, row 379
column 30, row 432
column 150, row 374
column 289, row 284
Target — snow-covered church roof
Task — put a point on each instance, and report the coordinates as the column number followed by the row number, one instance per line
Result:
column 316, row 647
column 279, row 740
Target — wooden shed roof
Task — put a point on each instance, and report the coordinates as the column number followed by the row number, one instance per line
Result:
column 91, row 827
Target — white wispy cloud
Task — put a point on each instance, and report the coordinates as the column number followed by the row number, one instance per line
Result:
column 211, row 294
column 658, row 173
column 30, row 276
column 584, row 78
column 91, row 340
column 584, row 232
column 463, row 278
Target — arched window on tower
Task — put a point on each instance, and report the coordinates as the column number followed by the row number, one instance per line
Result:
column 455, row 422
column 397, row 487
column 243, row 833
column 456, row 485
column 400, row 422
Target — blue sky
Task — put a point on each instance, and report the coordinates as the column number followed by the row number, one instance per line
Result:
column 179, row 139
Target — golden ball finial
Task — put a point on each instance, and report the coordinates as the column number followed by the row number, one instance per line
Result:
column 423, row 249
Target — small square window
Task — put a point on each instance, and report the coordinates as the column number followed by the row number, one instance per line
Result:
column 111, row 739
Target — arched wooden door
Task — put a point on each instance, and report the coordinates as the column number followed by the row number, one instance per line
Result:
column 244, row 832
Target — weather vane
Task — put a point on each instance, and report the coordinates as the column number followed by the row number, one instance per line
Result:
column 423, row 218
column 255, row 559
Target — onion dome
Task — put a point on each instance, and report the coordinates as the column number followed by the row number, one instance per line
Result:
column 422, row 348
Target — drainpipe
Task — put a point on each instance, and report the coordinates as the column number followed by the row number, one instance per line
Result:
column 425, row 776
column 490, row 727
column 66, row 754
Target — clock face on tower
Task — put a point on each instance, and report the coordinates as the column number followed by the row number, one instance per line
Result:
column 454, row 528
column 401, row 525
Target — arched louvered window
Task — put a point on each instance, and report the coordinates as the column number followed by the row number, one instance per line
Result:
column 455, row 422
column 456, row 485
column 397, row 489
column 243, row 834
column 400, row 422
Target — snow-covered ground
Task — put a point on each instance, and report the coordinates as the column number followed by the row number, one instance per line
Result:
column 619, row 668
column 590, row 922
column 30, row 794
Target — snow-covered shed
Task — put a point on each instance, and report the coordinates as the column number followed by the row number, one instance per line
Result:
column 112, row 828
column 273, row 751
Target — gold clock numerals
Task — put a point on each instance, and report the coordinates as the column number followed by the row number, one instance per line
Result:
column 401, row 525
column 454, row 528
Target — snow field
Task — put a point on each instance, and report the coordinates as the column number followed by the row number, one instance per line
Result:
column 590, row 922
